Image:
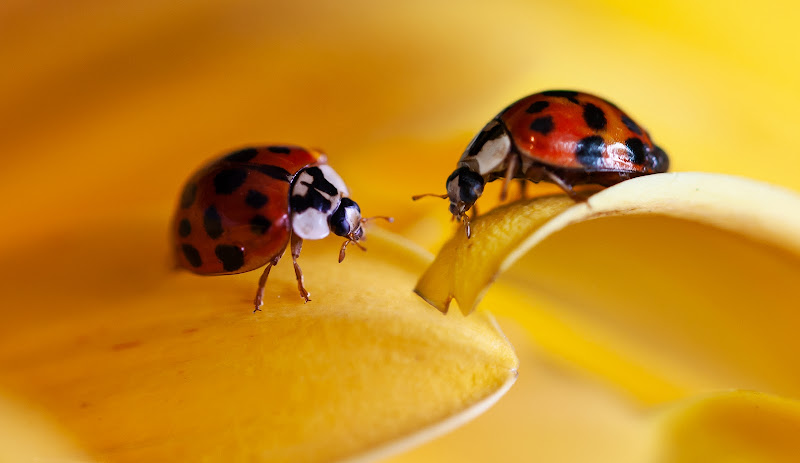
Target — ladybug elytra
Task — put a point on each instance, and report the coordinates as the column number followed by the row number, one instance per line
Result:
column 241, row 211
column 564, row 137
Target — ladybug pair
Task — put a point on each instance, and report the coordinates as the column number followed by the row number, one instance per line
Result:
column 241, row 211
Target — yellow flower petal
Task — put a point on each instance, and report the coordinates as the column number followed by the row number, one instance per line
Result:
column 464, row 267
column 673, row 291
column 732, row 426
column 28, row 436
column 552, row 414
column 146, row 364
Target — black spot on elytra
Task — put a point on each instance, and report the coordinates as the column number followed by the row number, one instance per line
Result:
column 229, row 180
column 260, row 224
column 256, row 199
column 543, row 125
column 243, row 155
column 184, row 228
column 188, row 195
column 589, row 151
column 192, row 255
column 632, row 126
column 636, row 150
column 212, row 222
column 594, row 117
column 232, row 257
column 496, row 131
column 537, row 107
column 568, row 94
column 278, row 173
column 280, row 149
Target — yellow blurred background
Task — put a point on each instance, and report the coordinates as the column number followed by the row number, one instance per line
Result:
column 112, row 104
column 106, row 107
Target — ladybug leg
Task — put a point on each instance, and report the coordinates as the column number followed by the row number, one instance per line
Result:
column 262, row 282
column 535, row 174
column 511, row 169
column 297, row 245
column 523, row 187
column 564, row 186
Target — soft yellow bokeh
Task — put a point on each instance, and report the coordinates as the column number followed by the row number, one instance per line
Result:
column 732, row 426
column 107, row 106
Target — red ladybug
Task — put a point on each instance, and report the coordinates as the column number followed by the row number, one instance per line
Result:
column 565, row 137
column 240, row 212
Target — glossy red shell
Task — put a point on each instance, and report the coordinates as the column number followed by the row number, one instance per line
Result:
column 233, row 215
column 574, row 130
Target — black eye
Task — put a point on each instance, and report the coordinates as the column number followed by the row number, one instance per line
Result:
column 456, row 173
column 470, row 185
column 660, row 161
column 338, row 220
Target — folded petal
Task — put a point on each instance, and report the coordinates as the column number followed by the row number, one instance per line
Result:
column 679, row 283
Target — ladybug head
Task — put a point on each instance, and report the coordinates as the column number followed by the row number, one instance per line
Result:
column 464, row 187
column 346, row 221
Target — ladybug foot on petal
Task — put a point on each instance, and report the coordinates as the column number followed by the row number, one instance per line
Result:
column 297, row 245
column 303, row 293
column 262, row 282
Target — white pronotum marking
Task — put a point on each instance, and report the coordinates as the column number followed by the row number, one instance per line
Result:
column 312, row 224
column 492, row 154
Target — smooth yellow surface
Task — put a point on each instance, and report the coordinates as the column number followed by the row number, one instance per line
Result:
column 157, row 364
column 25, row 432
column 732, row 426
column 534, row 421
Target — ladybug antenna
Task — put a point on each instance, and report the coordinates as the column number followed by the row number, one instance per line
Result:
column 416, row 197
column 386, row 218
column 350, row 239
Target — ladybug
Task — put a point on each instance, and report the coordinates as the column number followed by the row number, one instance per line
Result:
column 239, row 212
column 560, row 136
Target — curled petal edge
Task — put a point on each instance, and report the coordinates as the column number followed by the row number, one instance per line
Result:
column 464, row 269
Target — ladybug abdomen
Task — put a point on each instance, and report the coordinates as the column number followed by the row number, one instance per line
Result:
column 233, row 215
column 572, row 130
